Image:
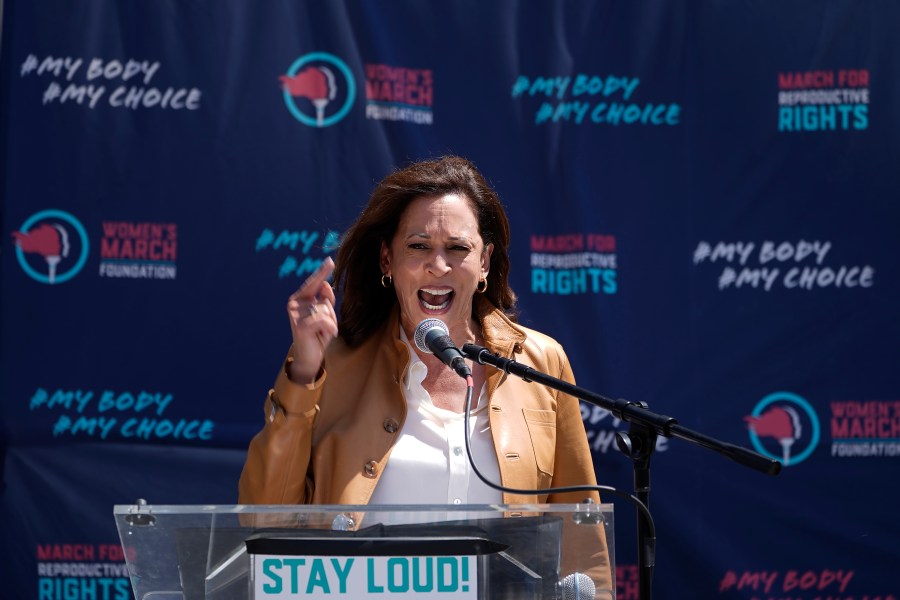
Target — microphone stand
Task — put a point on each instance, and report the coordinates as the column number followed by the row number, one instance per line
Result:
column 638, row 444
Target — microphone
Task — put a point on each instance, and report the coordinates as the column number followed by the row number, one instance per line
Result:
column 433, row 337
column 577, row 586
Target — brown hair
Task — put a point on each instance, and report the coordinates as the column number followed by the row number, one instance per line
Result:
column 365, row 303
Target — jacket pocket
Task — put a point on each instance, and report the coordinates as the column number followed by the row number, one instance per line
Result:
column 542, row 429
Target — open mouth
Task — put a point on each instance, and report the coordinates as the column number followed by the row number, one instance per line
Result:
column 434, row 299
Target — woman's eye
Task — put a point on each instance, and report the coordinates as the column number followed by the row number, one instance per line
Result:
column 418, row 246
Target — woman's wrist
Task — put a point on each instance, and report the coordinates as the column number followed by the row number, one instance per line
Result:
column 296, row 374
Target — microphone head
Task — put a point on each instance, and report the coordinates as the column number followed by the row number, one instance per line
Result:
column 423, row 329
column 577, row 586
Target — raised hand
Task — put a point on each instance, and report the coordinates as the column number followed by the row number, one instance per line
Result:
column 313, row 323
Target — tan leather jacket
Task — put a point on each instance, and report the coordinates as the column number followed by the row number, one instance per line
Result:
column 328, row 442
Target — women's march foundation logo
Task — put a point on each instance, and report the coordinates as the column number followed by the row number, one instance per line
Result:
column 319, row 89
column 787, row 420
column 51, row 246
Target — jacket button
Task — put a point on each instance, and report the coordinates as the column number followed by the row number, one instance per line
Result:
column 371, row 469
column 390, row 425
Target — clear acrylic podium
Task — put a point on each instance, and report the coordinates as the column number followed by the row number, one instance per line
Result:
column 497, row 552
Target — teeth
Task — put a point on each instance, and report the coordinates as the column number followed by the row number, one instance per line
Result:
column 438, row 293
column 436, row 306
column 435, row 292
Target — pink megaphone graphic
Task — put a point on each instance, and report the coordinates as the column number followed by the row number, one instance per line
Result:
column 50, row 241
column 315, row 83
column 781, row 423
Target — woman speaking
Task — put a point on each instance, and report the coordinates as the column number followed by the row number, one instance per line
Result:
column 360, row 415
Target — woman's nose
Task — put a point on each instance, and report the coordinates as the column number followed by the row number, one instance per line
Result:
column 438, row 264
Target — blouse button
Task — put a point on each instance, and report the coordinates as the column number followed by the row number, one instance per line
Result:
column 390, row 425
column 371, row 469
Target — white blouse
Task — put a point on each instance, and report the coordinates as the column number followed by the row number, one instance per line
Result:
column 428, row 464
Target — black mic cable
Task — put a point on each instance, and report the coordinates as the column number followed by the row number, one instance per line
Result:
column 432, row 336
column 641, row 507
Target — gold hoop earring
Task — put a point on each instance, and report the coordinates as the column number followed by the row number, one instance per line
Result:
column 481, row 289
column 386, row 281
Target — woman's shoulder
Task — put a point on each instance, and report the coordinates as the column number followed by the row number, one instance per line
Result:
column 543, row 349
column 382, row 344
column 530, row 346
column 539, row 338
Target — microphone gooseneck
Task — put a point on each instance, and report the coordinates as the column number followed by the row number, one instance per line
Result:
column 433, row 337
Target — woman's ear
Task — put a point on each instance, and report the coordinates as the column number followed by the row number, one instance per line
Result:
column 486, row 260
column 385, row 259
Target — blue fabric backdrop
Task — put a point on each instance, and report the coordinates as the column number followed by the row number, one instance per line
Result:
column 704, row 202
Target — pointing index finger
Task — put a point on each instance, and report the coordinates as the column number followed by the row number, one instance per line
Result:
column 313, row 284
